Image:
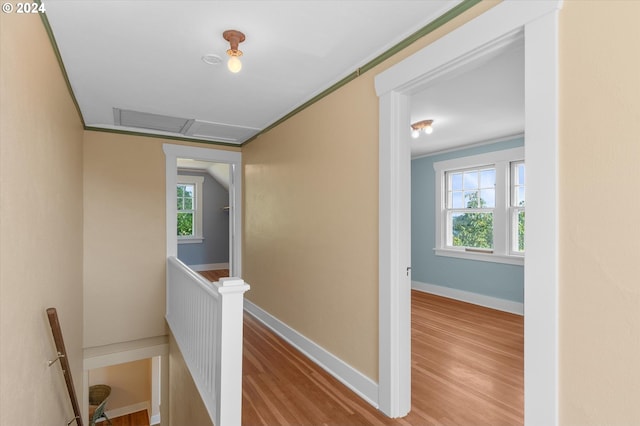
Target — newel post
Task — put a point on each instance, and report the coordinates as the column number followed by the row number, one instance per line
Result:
column 229, row 348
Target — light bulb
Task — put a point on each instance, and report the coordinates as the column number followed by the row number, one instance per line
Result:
column 234, row 64
column 415, row 134
column 428, row 129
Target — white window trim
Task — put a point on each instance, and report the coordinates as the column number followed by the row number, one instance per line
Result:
column 502, row 236
column 198, row 181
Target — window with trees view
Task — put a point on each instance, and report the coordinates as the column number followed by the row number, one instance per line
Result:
column 189, row 208
column 481, row 207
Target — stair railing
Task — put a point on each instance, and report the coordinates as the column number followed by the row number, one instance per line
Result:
column 206, row 321
column 52, row 314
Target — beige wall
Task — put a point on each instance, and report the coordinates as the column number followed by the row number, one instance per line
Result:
column 600, row 237
column 124, row 237
column 311, row 218
column 311, row 225
column 40, row 226
column 130, row 383
column 185, row 405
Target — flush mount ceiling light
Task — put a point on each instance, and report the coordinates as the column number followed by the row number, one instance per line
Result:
column 234, row 38
column 424, row 125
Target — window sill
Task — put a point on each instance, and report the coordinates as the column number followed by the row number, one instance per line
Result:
column 484, row 257
column 190, row 240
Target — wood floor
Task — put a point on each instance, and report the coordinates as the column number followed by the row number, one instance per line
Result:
column 215, row 275
column 467, row 369
column 139, row 418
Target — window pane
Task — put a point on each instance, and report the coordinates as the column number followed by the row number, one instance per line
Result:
column 471, row 199
column 188, row 204
column 488, row 178
column 520, row 172
column 185, row 224
column 471, row 179
column 456, row 181
column 520, row 198
column 520, row 232
column 189, row 191
column 457, row 200
column 180, row 203
column 472, row 230
column 488, row 198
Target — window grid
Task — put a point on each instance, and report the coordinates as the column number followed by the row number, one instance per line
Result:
column 470, row 207
column 450, row 190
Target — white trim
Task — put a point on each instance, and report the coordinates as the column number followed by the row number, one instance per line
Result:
column 499, row 26
column 501, row 160
column 108, row 355
column 154, row 420
column 234, row 159
column 209, row 266
column 119, row 353
column 488, row 257
column 190, row 240
column 156, row 380
column 346, row 374
column 129, row 409
column 506, row 155
column 470, row 297
column 472, row 145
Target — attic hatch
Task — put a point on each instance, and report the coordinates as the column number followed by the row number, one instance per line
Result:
column 145, row 120
column 198, row 129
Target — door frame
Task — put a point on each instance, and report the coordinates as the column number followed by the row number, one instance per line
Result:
column 537, row 22
column 234, row 159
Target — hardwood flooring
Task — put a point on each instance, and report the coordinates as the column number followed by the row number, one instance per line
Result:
column 215, row 275
column 139, row 418
column 467, row 369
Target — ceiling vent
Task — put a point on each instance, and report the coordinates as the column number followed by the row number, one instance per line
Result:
column 145, row 120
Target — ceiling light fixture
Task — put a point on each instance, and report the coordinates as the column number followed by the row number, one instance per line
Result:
column 234, row 38
column 424, row 125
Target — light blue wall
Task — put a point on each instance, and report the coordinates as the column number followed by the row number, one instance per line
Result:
column 215, row 226
column 487, row 278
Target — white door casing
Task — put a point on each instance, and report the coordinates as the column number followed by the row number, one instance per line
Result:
column 234, row 159
column 536, row 21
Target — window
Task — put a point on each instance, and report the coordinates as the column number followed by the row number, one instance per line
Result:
column 189, row 209
column 517, row 207
column 480, row 204
column 471, row 200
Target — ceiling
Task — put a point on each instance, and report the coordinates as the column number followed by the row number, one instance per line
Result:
column 138, row 65
column 484, row 103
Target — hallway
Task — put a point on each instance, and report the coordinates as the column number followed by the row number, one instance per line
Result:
column 467, row 368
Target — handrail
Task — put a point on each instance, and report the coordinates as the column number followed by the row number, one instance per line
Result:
column 206, row 321
column 52, row 314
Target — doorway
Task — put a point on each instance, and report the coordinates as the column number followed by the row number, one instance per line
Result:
column 226, row 165
column 204, row 229
column 537, row 22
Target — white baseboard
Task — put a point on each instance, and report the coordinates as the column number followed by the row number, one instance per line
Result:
column 154, row 420
column 209, row 266
column 469, row 297
column 129, row 409
column 363, row 386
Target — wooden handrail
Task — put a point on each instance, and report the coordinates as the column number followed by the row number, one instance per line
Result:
column 64, row 363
